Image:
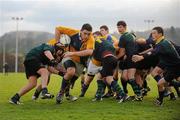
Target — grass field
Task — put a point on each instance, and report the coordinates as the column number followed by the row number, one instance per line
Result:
column 83, row 109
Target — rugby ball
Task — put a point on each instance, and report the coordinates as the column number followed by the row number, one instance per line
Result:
column 64, row 40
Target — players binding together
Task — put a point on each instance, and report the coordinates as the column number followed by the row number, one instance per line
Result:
column 86, row 55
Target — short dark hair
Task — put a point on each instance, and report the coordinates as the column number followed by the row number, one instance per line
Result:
column 123, row 23
column 159, row 30
column 97, row 33
column 87, row 27
column 105, row 27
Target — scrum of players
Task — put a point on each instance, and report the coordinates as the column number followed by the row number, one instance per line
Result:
column 100, row 56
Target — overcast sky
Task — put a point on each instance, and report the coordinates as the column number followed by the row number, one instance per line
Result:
column 44, row 15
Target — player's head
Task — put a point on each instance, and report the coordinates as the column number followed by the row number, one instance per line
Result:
column 97, row 34
column 121, row 26
column 86, row 31
column 157, row 32
column 104, row 30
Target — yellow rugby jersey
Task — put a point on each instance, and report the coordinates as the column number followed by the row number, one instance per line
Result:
column 52, row 42
column 76, row 44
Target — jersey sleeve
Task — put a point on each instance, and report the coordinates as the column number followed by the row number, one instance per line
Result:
column 52, row 42
column 67, row 30
column 47, row 47
column 90, row 42
column 149, row 41
column 122, row 42
column 158, row 49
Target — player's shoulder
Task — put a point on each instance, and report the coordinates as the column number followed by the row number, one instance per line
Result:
column 52, row 42
column 67, row 30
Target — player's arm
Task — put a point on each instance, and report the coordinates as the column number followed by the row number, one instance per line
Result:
column 55, row 70
column 48, row 54
column 121, row 50
column 89, row 48
column 87, row 52
column 121, row 53
column 82, row 53
column 155, row 51
column 64, row 30
column 146, row 51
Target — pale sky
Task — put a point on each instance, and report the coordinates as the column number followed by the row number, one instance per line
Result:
column 44, row 15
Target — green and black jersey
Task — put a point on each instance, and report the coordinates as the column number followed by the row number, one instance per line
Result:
column 127, row 41
column 38, row 53
column 102, row 48
column 168, row 56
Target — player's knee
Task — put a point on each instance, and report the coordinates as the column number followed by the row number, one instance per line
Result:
column 43, row 71
column 88, row 80
column 33, row 84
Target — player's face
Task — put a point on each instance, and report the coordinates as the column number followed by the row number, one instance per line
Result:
column 85, row 35
column 155, row 35
column 121, row 29
column 104, row 32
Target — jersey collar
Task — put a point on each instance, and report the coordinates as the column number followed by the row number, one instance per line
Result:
column 160, row 39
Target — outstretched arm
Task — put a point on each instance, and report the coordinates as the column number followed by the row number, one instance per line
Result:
column 87, row 52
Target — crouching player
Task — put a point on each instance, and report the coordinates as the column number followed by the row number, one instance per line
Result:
column 35, row 62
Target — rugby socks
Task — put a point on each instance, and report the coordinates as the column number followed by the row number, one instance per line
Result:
column 16, row 97
column 109, row 86
column 82, row 83
column 172, row 96
column 67, row 91
column 37, row 92
column 124, row 85
column 116, row 88
column 84, row 89
column 177, row 90
column 161, row 96
column 136, row 88
column 64, row 85
column 73, row 80
column 100, row 90
column 44, row 91
column 145, row 84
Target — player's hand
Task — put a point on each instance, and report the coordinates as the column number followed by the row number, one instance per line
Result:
column 53, row 62
column 68, row 54
column 137, row 58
